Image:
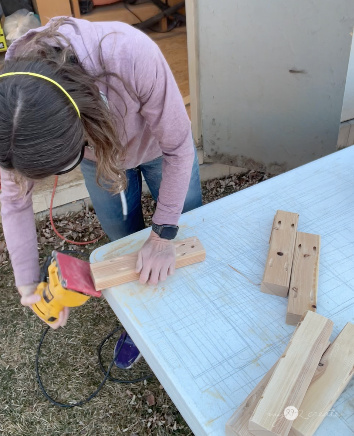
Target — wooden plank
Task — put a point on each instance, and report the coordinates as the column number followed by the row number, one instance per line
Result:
column 292, row 376
column 304, row 277
column 121, row 269
column 187, row 100
column 336, row 371
column 351, row 133
column 75, row 7
column 237, row 425
column 343, row 135
column 276, row 278
column 117, row 12
column 49, row 9
column 193, row 68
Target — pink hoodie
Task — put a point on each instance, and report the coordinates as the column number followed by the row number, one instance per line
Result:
column 156, row 123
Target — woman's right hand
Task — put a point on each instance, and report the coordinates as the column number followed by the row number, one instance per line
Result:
column 28, row 298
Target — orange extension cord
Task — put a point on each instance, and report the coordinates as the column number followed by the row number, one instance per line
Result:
column 53, row 225
column 52, row 222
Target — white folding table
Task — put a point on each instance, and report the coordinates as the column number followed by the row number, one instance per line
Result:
column 207, row 332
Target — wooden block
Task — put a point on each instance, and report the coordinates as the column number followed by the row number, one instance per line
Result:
column 121, row 269
column 187, row 100
column 304, row 277
column 276, row 278
column 75, row 7
column 292, row 376
column 237, row 425
column 335, row 372
column 343, row 135
column 351, row 133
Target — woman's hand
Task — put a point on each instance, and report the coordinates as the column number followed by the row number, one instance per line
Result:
column 156, row 260
column 28, row 298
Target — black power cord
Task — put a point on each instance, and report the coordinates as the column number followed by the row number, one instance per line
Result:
column 107, row 375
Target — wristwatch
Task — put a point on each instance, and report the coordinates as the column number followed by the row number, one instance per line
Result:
column 165, row 231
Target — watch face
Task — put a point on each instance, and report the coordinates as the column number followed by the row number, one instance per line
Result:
column 169, row 232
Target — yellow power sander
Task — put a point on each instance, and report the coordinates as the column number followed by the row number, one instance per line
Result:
column 65, row 281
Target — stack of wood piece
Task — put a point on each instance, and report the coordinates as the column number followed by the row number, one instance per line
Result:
column 292, row 266
column 299, row 391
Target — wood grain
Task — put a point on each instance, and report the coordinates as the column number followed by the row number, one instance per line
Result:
column 276, row 278
column 335, row 372
column 237, row 425
column 292, row 376
column 304, row 277
column 121, row 269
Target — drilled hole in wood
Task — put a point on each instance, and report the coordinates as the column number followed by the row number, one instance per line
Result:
column 192, row 246
column 299, row 245
column 314, row 306
column 292, row 225
column 279, row 222
column 280, row 253
column 314, row 248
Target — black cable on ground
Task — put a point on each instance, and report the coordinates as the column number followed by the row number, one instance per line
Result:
column 107, row 375
column 142, row 24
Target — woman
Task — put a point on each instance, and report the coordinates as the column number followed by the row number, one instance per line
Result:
column 102, row 91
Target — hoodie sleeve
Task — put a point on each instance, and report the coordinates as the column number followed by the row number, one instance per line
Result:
column 19, row 230
column 164, row 111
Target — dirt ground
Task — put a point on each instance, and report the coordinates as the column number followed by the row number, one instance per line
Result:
column 69, row 364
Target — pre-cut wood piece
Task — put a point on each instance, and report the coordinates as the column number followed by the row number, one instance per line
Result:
column 121, row 269
column 237, row 425
column 335, row 372
column 304, row 277
column 276, row 278
column 292, row 376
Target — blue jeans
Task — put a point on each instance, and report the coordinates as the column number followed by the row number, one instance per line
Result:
column 108, row 207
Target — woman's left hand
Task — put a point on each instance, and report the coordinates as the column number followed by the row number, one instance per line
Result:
column 156, row 260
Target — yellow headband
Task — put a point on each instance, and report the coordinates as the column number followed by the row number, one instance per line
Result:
column 49, row 80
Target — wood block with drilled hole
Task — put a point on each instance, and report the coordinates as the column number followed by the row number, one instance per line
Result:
column 291, row 377
column 276, row 278
column 335, row 372
column 114, row 272
column 304, row 277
